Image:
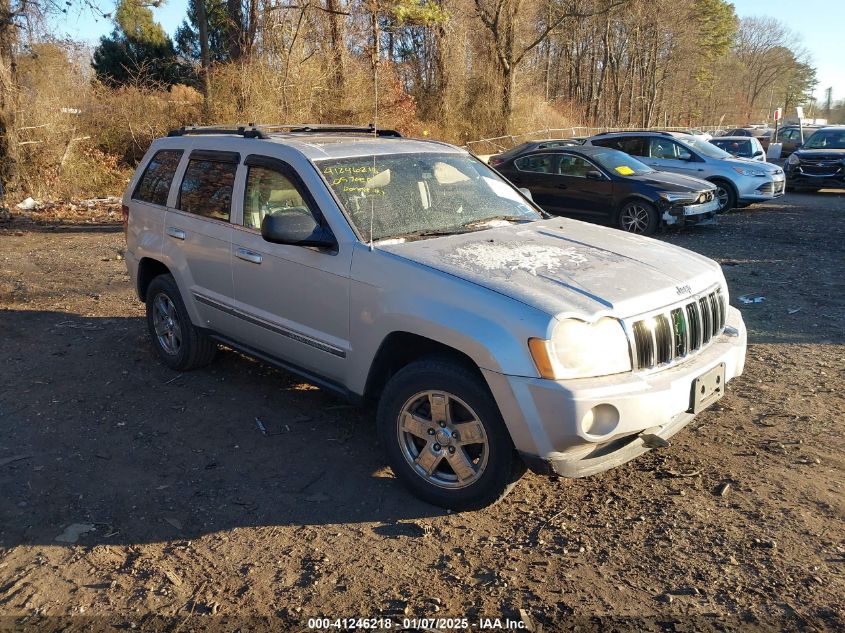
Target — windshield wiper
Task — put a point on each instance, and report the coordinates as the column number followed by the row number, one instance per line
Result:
column 496, row 218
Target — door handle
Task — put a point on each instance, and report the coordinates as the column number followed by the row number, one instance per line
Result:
column 179, row 234
column 562, row 186
column 248, row 256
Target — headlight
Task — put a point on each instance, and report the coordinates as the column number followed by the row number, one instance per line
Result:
column 745, row 171
column 580, row 350
column 676, row 197
column 793, row 159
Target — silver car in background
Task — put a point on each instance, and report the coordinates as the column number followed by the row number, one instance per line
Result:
column 741, row 147
column 739, row 181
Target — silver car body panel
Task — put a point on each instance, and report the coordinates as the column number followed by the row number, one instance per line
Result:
column 766, row 186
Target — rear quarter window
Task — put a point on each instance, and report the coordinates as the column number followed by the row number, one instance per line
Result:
column 154, row 185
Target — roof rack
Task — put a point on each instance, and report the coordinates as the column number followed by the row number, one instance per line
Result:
column 253, row 130
column 640, row 131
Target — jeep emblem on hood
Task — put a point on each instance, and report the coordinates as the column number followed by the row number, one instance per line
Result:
column 683, row 290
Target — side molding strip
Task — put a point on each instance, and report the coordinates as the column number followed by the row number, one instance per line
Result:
column 277, row 329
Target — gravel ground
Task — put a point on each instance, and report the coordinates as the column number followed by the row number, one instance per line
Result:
column 132, row 495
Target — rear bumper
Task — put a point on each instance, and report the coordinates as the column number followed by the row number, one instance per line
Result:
column 132, row 268
column 552, row 422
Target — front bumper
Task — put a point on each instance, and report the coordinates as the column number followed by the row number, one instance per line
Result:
column 548, row 419
column 833, row 177
column 680, row 214
column 761, row 189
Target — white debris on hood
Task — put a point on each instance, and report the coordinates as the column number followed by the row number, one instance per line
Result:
column 517, row 256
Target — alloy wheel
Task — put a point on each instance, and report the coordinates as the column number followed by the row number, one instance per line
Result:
column 442, row 439
column 723, row 196
column 166, row 324
column 635, row 218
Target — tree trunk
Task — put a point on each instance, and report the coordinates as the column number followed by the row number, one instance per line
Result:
column 8, row 103
column 508, row 92
column 205, row 60
column 236, row 31
column 338, row 47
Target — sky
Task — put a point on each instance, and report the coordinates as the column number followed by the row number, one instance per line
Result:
column 817, row 22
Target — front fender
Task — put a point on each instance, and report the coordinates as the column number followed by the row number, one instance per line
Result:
column 403, row 296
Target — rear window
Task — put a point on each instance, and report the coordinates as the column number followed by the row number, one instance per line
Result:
column 158, row 176
column 632, row 145
column 207, row 188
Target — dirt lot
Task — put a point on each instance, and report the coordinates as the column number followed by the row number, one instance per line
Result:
column 199, row 521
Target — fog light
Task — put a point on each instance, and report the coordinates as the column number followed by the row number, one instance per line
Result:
column 600, row 420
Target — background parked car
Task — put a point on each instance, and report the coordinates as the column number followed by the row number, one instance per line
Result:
column 531, row 146
column 738, row 181
column 741, row 147
column 819, row 162
column 790, row 138
column 608, row 186
column 762, row 134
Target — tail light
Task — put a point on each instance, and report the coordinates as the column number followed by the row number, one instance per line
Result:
column 125, row 211
column 495, row 162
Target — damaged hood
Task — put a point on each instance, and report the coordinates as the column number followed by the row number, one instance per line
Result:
column 569, row 268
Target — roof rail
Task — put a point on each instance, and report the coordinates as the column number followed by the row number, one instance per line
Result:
column 191, row 130
column 262, row 130
column 640, row 131
column 318, row 128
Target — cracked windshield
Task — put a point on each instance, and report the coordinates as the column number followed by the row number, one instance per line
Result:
column 417, row 195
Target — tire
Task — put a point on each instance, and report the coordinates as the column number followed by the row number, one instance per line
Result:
column 726, row 195
column 422, row 452
column 177, row 343
column 638, row 216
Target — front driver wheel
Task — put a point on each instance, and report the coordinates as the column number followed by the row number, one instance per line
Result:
column 444, row 436
column 725, row 195
column 638, row 217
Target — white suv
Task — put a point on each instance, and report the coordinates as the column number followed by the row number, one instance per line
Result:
column 409, row 273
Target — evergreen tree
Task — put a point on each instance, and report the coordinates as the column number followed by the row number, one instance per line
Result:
column 138, row 50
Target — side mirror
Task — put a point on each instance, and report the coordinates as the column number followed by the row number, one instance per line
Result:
column 297, row 229
column 685, row 156
column 759, row 152
column 594, row 174
column 527, row 193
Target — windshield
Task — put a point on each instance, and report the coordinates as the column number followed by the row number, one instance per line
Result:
column 737, row 148
column 620, row 163
column 826, row 139
column 407, row 194
column 705, row 147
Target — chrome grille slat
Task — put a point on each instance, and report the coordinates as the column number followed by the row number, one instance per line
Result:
column 680, row 330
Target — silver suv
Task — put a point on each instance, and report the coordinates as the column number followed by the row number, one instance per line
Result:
column 408, row 273
column 739, row 181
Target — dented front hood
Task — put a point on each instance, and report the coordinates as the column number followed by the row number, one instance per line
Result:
column 569, row 268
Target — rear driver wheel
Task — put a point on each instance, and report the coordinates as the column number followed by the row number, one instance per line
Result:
column 178, row 344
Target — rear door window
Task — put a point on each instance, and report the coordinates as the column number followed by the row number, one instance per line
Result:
column 154, row 185
column 207, row 186
column 538, row 163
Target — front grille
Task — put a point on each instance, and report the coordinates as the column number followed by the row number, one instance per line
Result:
column 679, row 331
